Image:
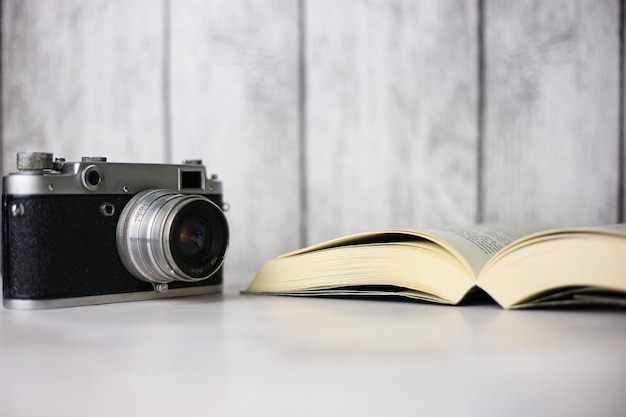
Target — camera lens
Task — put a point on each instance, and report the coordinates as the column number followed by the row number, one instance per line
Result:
column 163, row 236
column 191, row 238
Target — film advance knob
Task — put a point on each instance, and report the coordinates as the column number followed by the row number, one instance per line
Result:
column 34, row 161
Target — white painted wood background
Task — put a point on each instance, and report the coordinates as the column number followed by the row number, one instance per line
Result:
column 330, row 117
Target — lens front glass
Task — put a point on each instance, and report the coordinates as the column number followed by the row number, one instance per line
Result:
column 192, row 237
column 197, row 238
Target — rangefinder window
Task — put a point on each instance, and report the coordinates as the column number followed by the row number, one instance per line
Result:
column 92, row 177
column 190, row 180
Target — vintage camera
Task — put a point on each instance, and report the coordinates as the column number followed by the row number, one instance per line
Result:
column 92, row 232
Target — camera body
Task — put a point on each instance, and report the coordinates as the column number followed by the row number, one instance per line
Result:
column 92, row 232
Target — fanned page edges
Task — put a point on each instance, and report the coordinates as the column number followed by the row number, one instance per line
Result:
column 423, row 266
column 385, row 237
column 559, row 267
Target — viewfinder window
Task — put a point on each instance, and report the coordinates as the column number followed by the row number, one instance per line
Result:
column 190, row 180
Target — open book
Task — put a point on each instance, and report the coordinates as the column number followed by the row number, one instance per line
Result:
column 517, row 267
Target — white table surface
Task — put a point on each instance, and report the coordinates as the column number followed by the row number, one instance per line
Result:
column 234, row 355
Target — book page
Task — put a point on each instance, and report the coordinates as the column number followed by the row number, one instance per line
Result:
column 618, row 229
column 557, row 266
column 472, row 246
column 478, row 244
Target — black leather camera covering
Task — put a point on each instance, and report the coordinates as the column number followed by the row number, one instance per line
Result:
column 64, row 246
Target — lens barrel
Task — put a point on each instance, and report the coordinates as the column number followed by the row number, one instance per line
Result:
column 164, row 236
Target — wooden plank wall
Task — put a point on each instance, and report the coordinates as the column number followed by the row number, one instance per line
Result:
column 330, row 117
column 392, row 94
column 552, row 111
